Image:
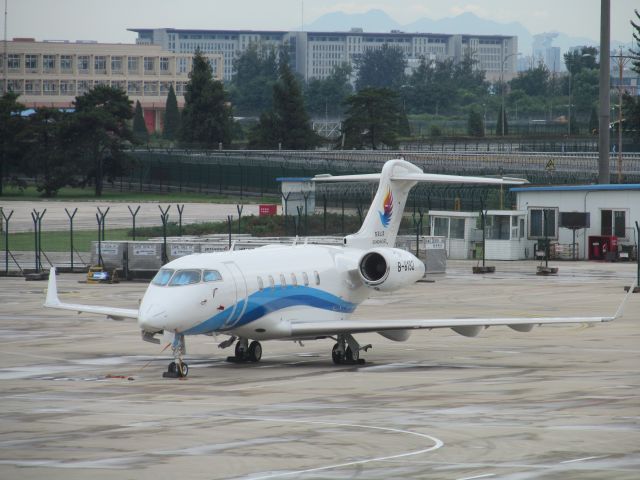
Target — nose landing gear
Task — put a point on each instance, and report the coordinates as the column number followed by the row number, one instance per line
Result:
column 178, row 368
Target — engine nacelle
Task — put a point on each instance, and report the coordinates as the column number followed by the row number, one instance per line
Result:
column 388, row 269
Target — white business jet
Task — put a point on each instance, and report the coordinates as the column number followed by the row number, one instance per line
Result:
column 298, row 292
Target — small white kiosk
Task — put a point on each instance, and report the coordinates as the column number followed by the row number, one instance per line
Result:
column 505, row 237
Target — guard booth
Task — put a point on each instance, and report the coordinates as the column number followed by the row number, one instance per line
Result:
column 505, row 234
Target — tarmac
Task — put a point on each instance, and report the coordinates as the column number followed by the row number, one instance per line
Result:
column 83, row 396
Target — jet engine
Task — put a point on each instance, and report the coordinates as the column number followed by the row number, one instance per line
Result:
column 388, row 269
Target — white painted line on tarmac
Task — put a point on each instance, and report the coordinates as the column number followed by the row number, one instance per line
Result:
column 478, row 476
column 584, row 459
column 437, row 444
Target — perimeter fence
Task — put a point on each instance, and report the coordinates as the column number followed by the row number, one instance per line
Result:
column 256, row 172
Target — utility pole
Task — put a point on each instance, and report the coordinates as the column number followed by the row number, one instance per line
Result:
column 603, row 140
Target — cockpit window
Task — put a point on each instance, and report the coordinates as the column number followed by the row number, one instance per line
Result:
column 162, row 277
column 185, row 277
column 211, row 276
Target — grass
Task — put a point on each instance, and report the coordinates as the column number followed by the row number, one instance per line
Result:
column 76, row 194
column 60, row 241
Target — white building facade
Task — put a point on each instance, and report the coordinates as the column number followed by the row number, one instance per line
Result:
column 314, row 54
column 52, row 74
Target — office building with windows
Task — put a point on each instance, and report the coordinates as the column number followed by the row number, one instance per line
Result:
column 315, row 54
column 52, row 74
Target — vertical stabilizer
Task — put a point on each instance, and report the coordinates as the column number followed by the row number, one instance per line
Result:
column 380, row 226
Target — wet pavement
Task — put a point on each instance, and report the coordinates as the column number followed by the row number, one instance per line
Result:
column 83, row 396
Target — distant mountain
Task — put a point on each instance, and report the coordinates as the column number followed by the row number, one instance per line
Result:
column 371, row 21
column 379, row 21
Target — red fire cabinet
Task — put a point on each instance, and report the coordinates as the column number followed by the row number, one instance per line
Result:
column 603, row 247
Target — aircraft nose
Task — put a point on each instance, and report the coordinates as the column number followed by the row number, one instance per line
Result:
column 152, row 318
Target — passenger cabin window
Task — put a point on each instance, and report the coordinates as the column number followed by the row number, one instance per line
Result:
column 260, row 284
column 185, row 277
column 162, row 277
column 283, row 281
column 294, row 280
column 317, row 277
column 211, row 276
column 305, row 279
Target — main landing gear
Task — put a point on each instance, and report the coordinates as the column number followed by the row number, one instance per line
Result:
column 346, row 351
column 178, row 368
column 246, row 352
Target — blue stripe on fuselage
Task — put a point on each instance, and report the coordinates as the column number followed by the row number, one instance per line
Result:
column 269, row 300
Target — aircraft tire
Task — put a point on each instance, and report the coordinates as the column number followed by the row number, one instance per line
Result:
column 240, row 353
column 255, row 351
column 183, row 369
column 172, row 368
column 335, row 355
column 350, row 356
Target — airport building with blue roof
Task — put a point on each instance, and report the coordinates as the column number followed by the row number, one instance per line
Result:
column 607, row 210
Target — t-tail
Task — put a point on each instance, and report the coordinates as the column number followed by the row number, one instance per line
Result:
column 398, row 177
column 381, row 225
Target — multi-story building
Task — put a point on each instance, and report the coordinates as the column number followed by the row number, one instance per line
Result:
column 54, row 73
column 314, row 54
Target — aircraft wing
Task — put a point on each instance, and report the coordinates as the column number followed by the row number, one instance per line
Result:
column 53, row 301
column 464, row 326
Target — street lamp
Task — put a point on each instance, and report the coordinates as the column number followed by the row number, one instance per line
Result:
column 621, row 60
column 503, row 113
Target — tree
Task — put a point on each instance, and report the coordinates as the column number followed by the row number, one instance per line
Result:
column 580, row 59
column 533, row 82
column 631, row 112
column 327, row 96
column 372, row 119
column 171, row 116
column 475, row 123
column 636, row 37
column 98, row 132
column 255, row 73
column 11, row 126
column 502, row 119
column 381, row 68
column 593, row 121
column 45, row 150
column 288, row 124
column 207, row 118
column 585, row 89
column 140, row 133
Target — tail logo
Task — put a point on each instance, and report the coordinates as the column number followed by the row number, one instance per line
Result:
column 387, row 205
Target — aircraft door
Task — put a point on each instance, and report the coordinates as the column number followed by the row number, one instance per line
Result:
column 240, row 286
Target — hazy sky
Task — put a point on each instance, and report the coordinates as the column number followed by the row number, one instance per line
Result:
column 108, row 20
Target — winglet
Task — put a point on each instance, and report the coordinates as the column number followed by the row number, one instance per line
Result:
column 52, row 290
column 624, row 301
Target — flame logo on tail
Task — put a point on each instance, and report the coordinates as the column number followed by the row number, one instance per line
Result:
column 387, row 205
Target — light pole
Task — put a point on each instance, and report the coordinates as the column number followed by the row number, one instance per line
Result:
column 502, row 89
column 621, row 60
